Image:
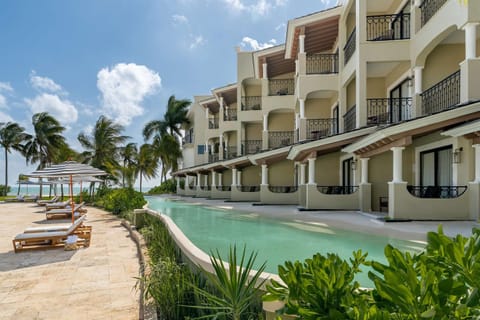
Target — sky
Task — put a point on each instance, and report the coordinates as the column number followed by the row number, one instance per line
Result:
column 80, row 59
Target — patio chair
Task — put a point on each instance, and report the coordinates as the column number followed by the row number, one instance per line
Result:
column 56, row 227
column 31, row 198
column 19, row 198
column 66, row 212
column 54, row 239
column 57, row 205
column 43, row 203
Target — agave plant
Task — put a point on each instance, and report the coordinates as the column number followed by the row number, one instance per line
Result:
column 235, row 288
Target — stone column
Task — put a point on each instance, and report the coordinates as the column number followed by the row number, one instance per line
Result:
column 205, row 183
column 234, row 177
column 220, row 148
column 239, row 178
column 364, row 164
column 199, row 176
column 302, row 173
column 265, row 75
column 365, row 187
column 311, row 171
column 470, row 40
column 264, row 175
column 265, row 132
column 214, row 178
column 220, row 176
column 418, row 89
column 302, row 108
column 397, row 164
column 301, row 40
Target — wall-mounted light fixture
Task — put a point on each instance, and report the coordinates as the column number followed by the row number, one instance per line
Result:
column 457, row 155
column 354, row 164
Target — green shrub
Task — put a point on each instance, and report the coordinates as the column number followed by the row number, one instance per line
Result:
column 122, row 200
column 4, row 191
column 168, row 186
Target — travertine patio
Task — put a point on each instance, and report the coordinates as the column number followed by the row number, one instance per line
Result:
column 97, row 282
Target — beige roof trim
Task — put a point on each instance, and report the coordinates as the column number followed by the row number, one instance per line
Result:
column 256, row 158
column 464, row 129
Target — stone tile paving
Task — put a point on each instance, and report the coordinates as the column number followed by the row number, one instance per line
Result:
column 97, row 282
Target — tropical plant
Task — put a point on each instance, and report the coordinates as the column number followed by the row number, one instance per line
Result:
column 236, row 287
column 128, row 154
column 103, row 145
column 121, row 201
column 168, row 150
column 147, row 163
column 168, row 186
column 12, row 137
column 45, row 145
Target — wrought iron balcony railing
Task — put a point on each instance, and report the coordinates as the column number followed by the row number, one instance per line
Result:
column 350, row 47
column 251, row 103
column 230, row 114
column 251, row 146
column 213, row 123
column 224, row 188
column 320, row 128
column 248, row 188
column 429, row 8
column 283, row 189
column 206, row 188
column 388, row 110
column 230, row 152
column 278, row 139
column 388, row 27
column 437, row 192
column 350, row 119
column 213, row 157
column 337, row 189
column 281, row 87
column 442, row 96
column 322, row 63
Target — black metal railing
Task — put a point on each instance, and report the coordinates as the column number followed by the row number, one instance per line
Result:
column 224, row 188
column 213, row 123
column 337, row 189
column 206, row 188
column 213, row 157
column 350, row 47
column 252, row 103
column 442, row 96
column 320, row 128
column 278, row 139
column 283, row 189
column 230, row 114
column 248, row 188
column 429, row 8
column 188, row 137
column 437, row 192
column 350, row 119
column 230, row 152
column 281, row 87
column 388, row 27
column 322, row 63
column 251, row 146
column 388, row 110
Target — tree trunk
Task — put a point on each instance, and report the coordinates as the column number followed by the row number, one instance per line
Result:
column 141, row 174
column 6, row 172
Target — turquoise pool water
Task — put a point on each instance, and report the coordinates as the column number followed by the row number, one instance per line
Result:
column 276, row 241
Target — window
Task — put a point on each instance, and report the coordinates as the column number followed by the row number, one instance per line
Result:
column 201, row 149
column 436, row 167
column 399, row 102
column 347, row 173
column 335, row 116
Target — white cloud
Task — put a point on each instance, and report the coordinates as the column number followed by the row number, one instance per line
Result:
column 197, row 41
column 179, row 19
column 5, row 86
column 255, row 45
column 44, row 83
column 3, row 102
column 123, row 89
column 255, row 8
column 329, row 3
column 5, row 117
column 63, row 110
column 281, row 26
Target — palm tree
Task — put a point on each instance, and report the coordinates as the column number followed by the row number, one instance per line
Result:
column 167, row 149
column 47, row 143
column 12, row 137
column 147, row 163
column 102, row 146
column 128, row 155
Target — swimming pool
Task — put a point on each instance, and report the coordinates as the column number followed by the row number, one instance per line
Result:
column 275, row 241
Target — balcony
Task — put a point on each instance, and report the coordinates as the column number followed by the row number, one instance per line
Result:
column 278, row 139
column 350, row 119
column 251, row 103
column 322, row 63
column 388, row 27
column 281, row 87
column 230, row 114
column 388, row 110
column 350, row 47
column 213, row 157
column 213, row 123
column 251, row 146
column 437, row 192
column 442, row 96
column 337, row 189
column 321, row 128
column 429, row 8
column 283, row 189
column 230, row 152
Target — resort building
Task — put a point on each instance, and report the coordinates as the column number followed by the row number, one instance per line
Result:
column 370, row 105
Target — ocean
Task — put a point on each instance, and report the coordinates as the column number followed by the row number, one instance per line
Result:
column 35, row 190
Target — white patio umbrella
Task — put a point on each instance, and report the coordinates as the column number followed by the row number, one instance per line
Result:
column 68, row 169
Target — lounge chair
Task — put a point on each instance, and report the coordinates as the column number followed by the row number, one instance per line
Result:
column 55, row 227
column 19, row 198
column 66, row 212
column 54, row 239
column 43, row 203
column 31, row 198
column 57, row 205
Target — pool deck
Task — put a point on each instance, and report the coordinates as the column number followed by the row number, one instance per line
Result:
column 97, row 282
column 348, row 220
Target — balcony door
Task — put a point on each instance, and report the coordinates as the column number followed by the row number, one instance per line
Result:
column 347, row 173
column 399, row 108
column 436, row 167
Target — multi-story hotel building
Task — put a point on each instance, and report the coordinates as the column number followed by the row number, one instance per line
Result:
column 370, row 105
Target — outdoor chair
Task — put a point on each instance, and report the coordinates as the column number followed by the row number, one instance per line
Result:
column 43, row 203
column 66, row 212
column 54, row 239
column 30, row 198
column 56, row 227
column 57, row 205
column 19, row 198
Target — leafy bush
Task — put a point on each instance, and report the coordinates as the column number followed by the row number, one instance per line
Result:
column 168, row 186
column 4, row 190
column 122, row 200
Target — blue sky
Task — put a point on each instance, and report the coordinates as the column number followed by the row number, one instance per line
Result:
column 124, row 58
